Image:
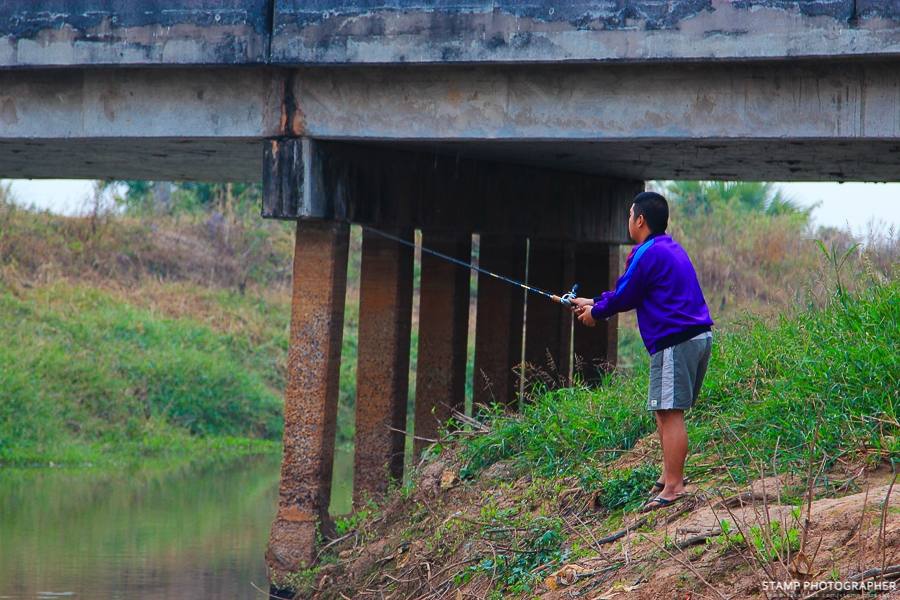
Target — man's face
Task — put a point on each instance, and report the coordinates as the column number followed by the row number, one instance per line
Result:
column 633, row 225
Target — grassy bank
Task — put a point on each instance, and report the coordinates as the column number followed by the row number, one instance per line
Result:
column 525, row 505
column 98, row 375
column 832, row 373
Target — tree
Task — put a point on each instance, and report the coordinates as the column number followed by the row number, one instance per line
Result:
column 231, row 200
column 764, row 197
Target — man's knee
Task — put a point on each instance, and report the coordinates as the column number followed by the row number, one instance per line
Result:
column 670, row 415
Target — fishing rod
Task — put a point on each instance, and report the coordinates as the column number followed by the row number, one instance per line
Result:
column 564, row 299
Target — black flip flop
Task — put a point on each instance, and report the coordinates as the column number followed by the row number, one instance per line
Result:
column 660, row 503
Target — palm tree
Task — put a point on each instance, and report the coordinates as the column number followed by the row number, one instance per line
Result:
column 753, row 196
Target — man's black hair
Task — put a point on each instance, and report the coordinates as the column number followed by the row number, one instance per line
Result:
column 655, row 210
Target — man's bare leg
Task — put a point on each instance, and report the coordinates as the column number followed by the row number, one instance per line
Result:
column 675, row 446
column 659, row 431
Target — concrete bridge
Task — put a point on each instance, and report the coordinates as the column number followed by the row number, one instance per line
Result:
column 523, row 121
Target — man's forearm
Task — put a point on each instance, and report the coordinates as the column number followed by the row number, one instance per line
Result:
column 601, row 308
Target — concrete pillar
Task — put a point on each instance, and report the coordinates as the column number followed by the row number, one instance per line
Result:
column 498, row 330
column 310, row 400
column 443, row 329
column 382, row 374
column 549, row 325
column 596, row 270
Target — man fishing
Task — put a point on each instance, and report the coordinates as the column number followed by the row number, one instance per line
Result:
column 661, row 285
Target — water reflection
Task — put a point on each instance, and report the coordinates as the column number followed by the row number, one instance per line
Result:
column 194, row 533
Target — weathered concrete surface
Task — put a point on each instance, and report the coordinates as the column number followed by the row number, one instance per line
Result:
column 192, row 104
column 498, row 328
column 797, row 121
column 548, row 326
column 95, row 32
column 443, row 330
column 757, row 101
column 541, row 31
column 382, row 373
column 595, row 349
column 100, row 32
column 310, row 399
column 572, row 103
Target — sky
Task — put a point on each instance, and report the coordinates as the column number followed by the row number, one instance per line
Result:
column 853, row 205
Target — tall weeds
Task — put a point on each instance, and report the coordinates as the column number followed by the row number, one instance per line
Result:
column 768, row 379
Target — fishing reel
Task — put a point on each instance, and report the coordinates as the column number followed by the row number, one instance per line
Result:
column 566, row 299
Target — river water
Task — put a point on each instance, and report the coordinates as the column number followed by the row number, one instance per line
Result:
column 197, row 532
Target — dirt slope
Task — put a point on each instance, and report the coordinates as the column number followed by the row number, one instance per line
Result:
column 444, row 538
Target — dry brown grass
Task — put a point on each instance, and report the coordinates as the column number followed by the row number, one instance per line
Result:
column 38, row 247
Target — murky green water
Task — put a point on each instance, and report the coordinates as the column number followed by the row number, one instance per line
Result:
column 190, row 533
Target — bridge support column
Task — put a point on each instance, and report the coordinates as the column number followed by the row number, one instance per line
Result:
column 382, row 374
column 549, row 325
column 443, row 332
column 310, row 400
column 498, row 330
column 596, row 270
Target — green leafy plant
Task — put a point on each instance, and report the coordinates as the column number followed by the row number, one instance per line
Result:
column 512, row 566
column 627, row 488
column 728, row 539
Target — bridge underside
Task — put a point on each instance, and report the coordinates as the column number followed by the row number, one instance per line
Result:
column 197, row 159
column 798, row 120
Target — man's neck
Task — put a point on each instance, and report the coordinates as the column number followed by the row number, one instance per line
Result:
column 652, row 235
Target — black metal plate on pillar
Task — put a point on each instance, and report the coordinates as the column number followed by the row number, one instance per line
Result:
column 282, row 190
column 301, row 181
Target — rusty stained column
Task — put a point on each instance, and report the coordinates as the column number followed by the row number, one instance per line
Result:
column 443, row 329
column 385, row 312
column 596, row 270
column 548, row 325
column 310, row 401
column 498, row 330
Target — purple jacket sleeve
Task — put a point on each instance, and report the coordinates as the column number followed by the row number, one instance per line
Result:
column 629, row 292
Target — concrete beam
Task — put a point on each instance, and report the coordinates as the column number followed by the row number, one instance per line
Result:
column 310, row 400
column 548, row 326
column 748, row 101
column 595, row 349
column 715, row 101
column 443, row 331
column 117, row 103
column 382, row 374
column 779, row 121
column 498, row 329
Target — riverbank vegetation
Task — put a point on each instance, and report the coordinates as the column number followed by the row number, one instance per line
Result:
column 795, row 445
column 156, row 322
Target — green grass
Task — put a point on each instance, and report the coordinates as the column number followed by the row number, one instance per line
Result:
column 89, row 377
column 770, row 387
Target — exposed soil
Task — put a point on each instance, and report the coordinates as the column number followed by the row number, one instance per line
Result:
column 421, row 544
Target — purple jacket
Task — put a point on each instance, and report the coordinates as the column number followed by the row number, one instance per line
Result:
column 661, row 284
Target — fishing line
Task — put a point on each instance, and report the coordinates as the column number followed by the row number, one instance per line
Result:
column 564, row 299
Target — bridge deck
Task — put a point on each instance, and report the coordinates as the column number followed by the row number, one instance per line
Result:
column 291, row 32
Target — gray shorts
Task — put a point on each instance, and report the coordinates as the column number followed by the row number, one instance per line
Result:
column 677, row 372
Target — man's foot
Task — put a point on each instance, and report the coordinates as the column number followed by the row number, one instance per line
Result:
column 659, row 485
column 659, row 502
